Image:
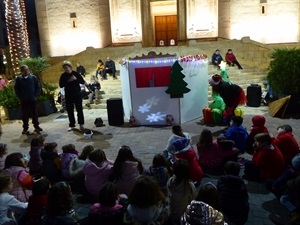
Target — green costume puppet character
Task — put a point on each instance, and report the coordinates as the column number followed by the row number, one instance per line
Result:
column 232, row 94
column 218, row 102
column 217, row 107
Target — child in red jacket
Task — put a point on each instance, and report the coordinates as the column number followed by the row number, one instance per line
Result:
column 37, row 201
column 258, row 126
column 267, row 161
column 231, row 59
column 286, row 143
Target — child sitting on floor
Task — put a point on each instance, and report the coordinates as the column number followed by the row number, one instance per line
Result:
column 267, row 161
column 211, row 155
column 35, row 162
column 237, row 133
column 286, row 143
column 38, row 201
column 59, row 208
column 233, row 195
column 181, row 191
column 97, row 170
column 51, row 167
column 69, row 153
column 126, row 170
column 9, row 204
column 160, row 170
column 258, row 126
column 110, row 207
column 15, row 166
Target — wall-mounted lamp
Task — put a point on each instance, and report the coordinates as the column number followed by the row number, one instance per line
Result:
column 263, row 6
column 73, row 19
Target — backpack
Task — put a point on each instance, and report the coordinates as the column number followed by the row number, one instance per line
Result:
column 98, row 122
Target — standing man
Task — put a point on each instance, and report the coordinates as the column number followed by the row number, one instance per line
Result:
column 27, row 89
column 110, row 68
column 71, row 80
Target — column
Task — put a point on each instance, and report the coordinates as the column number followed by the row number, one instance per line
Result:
column 147, row 30
column 181, row 20
column 42, row 20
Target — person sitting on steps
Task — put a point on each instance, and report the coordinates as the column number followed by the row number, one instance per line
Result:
column 94, row 88
column 100, row 70
column 110, row 68
column 231, row 59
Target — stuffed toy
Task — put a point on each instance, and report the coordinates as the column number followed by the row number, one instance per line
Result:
column 218, row 102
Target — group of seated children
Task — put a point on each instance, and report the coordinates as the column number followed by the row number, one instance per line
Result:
column 168, row 192
column 229, row 58
column 116, row 188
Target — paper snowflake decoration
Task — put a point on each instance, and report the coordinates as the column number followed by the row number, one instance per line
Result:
column 144, row 108
column 155, row 117
column 152, row 101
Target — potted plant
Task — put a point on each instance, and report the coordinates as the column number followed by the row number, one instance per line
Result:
column 36, row 65
column 284, row 77
column 46, row 100
column 10, row 102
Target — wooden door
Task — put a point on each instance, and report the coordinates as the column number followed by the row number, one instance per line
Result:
column 166, row 30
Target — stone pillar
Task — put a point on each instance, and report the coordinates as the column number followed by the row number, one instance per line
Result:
column 147, row 30
column 181, row 20
column 299, row 22
column 42, row 20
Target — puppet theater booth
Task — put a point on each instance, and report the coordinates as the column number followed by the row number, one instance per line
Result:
column 146, row 80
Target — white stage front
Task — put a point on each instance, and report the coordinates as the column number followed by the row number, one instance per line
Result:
column 145, row 81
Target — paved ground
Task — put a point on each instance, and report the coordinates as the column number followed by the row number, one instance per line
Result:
column 145, row 143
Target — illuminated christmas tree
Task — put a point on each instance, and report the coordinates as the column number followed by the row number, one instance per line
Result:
column 177, row 86
column 15, row 16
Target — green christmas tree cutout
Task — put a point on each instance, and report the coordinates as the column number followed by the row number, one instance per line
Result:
column 177, row 86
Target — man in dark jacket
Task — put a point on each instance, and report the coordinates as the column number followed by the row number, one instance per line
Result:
column 71, row 81
column 27, row 89
column 110, row 68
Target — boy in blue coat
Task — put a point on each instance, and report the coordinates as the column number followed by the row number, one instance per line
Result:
column 237, row 133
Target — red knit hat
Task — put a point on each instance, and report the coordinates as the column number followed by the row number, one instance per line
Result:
column 215, row 79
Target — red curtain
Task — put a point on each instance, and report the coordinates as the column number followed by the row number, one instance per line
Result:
column 152, row 76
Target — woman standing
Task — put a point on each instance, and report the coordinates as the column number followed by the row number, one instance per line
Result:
column 71, row 80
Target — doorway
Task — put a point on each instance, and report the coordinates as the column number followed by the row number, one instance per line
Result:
column 166, row 30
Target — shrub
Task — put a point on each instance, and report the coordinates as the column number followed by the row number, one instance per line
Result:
column 284, row 71
column 8, row 98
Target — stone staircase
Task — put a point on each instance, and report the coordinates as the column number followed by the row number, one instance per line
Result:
column 112, row 88
column 243, row 78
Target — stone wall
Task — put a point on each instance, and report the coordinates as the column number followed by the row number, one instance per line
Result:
column 96, row 27
column 69, row 28
column 278, row 24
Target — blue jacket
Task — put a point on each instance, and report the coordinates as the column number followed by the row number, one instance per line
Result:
column 239, row 135
column 216, row 57
column 27, row 89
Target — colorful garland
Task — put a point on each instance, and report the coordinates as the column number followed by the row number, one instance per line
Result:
column 190, row 58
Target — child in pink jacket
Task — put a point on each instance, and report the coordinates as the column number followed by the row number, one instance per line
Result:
column 97, row 170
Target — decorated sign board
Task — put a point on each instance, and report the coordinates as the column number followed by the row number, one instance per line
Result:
column 148, row 85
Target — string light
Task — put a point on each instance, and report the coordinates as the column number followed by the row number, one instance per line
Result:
column 15, row 14
column 189, row 58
